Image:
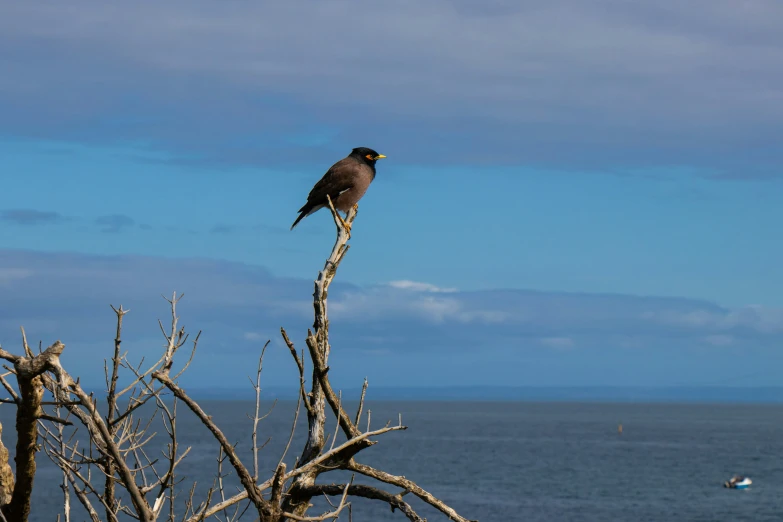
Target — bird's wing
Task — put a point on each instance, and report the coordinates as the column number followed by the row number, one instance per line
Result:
column 339, row 178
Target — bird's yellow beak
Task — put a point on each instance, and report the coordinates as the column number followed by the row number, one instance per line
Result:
column 379, row 156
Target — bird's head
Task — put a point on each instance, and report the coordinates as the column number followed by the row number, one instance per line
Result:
column 368, row 156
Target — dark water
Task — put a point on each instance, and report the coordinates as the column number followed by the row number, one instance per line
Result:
column 529, row 461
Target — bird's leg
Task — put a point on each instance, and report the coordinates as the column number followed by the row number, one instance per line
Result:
column 345, row 224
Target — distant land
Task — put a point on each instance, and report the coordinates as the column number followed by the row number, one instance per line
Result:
column 705, row 394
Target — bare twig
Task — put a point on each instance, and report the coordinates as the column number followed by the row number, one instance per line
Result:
column 256, row 418
column 65, row 486
column 300, row 366
column 253, row 492
column 9, row 388
column 337, row 425
column 82, row 496
column 335, row 513
column 111, row 399
column 26, row 347
column 293, row 429
column 407, row 485
column 116, row 450
column 361, row 402
column 340, row 453
column 369, row 492
column 66, row 382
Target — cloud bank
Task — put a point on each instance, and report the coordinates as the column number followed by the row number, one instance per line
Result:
column 66, row 296
column 30, row 217
column 610, row 83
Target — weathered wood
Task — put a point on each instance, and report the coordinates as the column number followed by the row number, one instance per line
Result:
column 28, row 411
column 6, row 474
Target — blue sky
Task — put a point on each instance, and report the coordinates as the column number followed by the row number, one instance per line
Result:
column 581, row 193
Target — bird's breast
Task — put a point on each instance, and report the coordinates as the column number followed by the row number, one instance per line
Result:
column 351, row 197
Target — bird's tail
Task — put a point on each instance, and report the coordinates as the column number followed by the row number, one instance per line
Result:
column 305, row 211
column 298, row 219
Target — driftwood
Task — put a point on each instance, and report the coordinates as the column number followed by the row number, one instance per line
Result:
column 109, row 468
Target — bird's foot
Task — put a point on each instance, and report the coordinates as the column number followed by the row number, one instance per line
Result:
column 346, row 225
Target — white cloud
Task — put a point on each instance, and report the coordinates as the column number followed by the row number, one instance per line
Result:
column 224, row 297
column 436, row 309
column 419, row 287
column 758, row 318
column 378, row 302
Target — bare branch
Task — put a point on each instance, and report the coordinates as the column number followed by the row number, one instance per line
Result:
column 9, row 388
column 116, row 444
column 82, row 496
column 254, row 494
column 368, row 492
column 256, row 418
column 140, row 504
column 31, row 390
column 337, row 425
column 6, row 474
column 339, row 453
column 293, row 429
column 27, row 351
column 318, row 345
column 111, row 399
column 331, row 514
column 277, row 484
column 407, row 485
column 73, row 474
column 361, row 402
column 221, row 458
column 137, row 404
column 321, row 372
column 55, row 420
column 65, row 486
column 300, row 366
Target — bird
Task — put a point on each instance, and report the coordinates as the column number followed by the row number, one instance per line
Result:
column 345, row 183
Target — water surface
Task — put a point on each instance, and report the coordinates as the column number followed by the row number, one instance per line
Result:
column 507, row 461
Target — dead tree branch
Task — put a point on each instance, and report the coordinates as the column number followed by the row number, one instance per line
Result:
column 6, row 475
column 115, row 452
column 407, row 485
column 298, row 501
column 111, row 399
column 28, row 376
column 368, row 492
column 265, row 509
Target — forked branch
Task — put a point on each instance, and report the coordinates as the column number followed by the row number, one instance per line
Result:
column 115, row 452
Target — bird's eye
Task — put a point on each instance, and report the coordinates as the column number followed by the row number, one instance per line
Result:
column 369, row 156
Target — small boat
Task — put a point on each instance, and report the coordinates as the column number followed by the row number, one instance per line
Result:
column 737, row 482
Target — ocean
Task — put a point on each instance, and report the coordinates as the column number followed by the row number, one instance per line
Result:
column 520, row 461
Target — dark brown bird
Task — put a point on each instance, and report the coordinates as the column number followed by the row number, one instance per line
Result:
column 345, row 183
